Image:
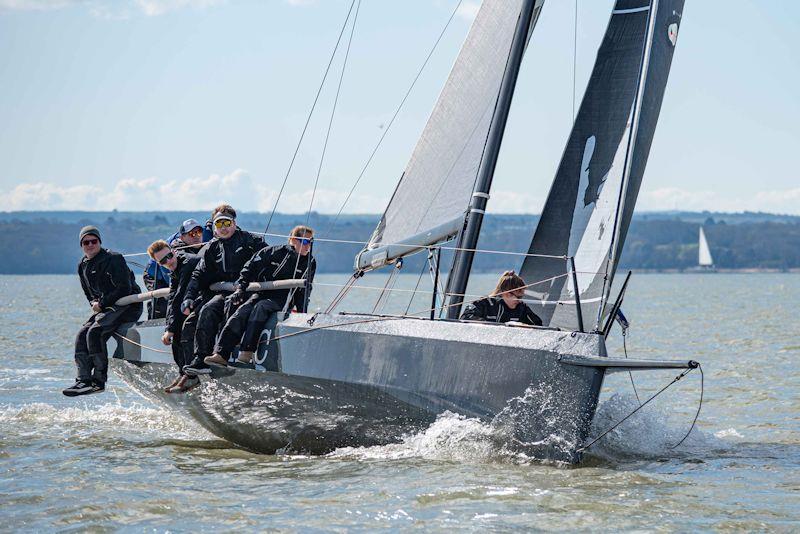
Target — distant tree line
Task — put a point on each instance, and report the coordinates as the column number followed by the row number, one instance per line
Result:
column 47, row 243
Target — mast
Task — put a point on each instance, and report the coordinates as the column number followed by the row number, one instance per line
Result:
column 462, row 262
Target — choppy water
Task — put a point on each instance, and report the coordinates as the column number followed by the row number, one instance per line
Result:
column 115, row 461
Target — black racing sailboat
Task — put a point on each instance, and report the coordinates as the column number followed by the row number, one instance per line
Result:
column 331, row 380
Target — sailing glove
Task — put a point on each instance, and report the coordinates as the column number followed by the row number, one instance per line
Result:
column 187, row 304
column 238, row 296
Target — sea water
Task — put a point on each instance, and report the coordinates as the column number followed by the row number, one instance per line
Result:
column 115, row 461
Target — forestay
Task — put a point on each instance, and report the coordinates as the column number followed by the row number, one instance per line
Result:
column 431, row 199
column 589, row 207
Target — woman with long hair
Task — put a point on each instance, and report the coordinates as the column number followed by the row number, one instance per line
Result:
column 504, row 304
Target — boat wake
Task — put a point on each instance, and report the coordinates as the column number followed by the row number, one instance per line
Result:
column 648, row 435
column 94, row 419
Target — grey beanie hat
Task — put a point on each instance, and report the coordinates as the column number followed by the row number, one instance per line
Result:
column 86, row 230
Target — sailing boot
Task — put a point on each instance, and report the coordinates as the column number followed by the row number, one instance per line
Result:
column 197, row 367
column 216, row 360
column 245, row 357
column 80, row 387
column 83, row 384
column 100, row 371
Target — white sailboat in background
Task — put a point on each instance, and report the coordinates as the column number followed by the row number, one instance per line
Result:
column 705, row 262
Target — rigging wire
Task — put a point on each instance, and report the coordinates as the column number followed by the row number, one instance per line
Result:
column 630, row 373
column 310, row 113
column 333, row 111
column 394, row 116
column 419, row 279
column 659, row 392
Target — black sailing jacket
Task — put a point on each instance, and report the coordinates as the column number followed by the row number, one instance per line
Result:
column 494, row 310
column 178, row 284
column 280, row 262
column 221, row 260
column 106, row 278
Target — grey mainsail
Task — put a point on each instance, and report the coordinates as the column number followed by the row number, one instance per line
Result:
column 590, row 204
column 430, row 202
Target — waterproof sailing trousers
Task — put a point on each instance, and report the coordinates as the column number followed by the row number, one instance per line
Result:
column 209, row 322
column 178, row 345
column 246, row 325
column 91, row 354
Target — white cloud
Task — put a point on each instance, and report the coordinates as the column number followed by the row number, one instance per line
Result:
column 247, row 194
column 38, row 5
column 130, row 194
column 153, row 8
column 785, row 201
column 110, row 8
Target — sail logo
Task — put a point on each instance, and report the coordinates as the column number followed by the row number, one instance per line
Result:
column 672, row 33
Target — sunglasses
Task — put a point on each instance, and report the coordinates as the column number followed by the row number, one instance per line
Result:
column 306, row 240
column 223, row 223
column 87, row 242
column 197, row 232
column 168, row 256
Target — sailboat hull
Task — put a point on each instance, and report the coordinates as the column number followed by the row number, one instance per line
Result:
column 351, row 380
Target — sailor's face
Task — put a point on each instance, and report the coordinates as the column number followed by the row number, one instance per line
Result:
column 224, row 228
column 513, row 298
column 302, row 245
column 90, row 245
column 166, row 258
column 193, row 236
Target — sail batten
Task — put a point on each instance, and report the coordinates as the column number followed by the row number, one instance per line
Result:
column 589, row 207
column 438, row 181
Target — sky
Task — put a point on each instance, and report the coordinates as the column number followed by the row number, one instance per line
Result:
column 183, row 104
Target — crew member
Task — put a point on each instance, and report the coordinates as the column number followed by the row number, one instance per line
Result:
column 181, row 264
column 504, row 304
column 105, row 278
column 221, row 260
column 280, row 262
column 188, row 238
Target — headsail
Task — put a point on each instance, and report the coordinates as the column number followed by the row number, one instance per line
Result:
column 430, row 202
column 590, row 204
column 704, row 258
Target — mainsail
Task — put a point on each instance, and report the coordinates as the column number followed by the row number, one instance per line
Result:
column 590, row 204
column 430, row 202
column 704, row 258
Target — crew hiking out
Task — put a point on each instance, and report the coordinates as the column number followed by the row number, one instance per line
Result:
column 105, row 278
column 248, row 314
column 221, row 260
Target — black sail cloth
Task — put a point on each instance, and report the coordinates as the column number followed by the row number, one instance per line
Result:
column 105, row 279
column 589, row 207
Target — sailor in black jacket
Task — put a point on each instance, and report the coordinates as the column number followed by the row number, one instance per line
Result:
column 221, row 260
column 504, row 305
column 281, row 262
column 105, row 278
column 181, row 338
